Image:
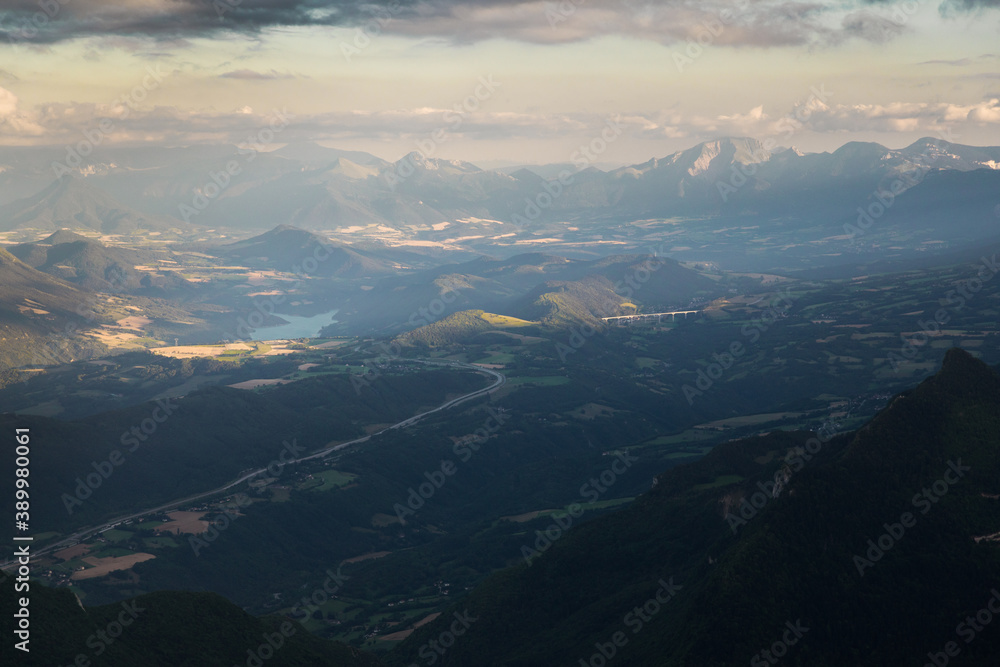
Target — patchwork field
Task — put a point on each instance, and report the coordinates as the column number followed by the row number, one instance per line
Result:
column 102, row 566
column 184, row 522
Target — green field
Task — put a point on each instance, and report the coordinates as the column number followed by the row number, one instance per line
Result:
column 327, row 480
column 505, row 321
column 116, row 535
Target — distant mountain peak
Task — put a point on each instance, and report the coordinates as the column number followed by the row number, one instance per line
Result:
column 419, row 160
column 709, row 157
column 351, row 170
column 70, row 201
column 525, row 174
column 791, row 150
column 961, row 374
column 66, row 236
column 286, row 228
column 709, row 151
column 862, row 148
column 282, row 234
column 314, row 155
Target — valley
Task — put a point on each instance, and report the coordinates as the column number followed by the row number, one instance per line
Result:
column 431, row 423
column 499, row 334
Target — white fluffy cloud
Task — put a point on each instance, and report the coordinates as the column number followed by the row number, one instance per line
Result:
column 62, row 122
column 13, row 123
column 8, row 103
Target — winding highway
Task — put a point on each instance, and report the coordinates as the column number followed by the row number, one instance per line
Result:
column 499, row 379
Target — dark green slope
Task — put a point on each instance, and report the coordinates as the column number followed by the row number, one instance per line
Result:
column 579, row 590
column 40, row 314
column 165, row 629
column 406, row 302
column 791, row 561
column 799, row 561
column 562, row 303
column 455, row 328
column 653, row 280
column 92, row 265
column 534, row 286
column 168, row 449
column 19, row 284
column 607, row 285
column 287, row 248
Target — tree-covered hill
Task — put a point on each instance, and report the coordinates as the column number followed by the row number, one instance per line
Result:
column 169, row 448
column 165, row 629
column 39, row 315
column 876, row 542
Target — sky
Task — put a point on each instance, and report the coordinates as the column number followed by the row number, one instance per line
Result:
column 499, row 81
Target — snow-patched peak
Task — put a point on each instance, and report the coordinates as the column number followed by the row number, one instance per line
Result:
column 720, row 155
column 710, row 158
column 941, row 154
column 418, row 160
column 709, row 151
column 351, row 170
column 791, row 150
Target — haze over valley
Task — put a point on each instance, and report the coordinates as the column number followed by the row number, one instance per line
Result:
column 427, row 333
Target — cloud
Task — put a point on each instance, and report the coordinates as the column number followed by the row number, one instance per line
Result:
column 14, row 123
column 871, row 27
column 962, row 62
column 8, row 103
column 764, row 23
column 23, row 22
column 953, row 6
column 904, row 116
column 760, row 23
column 251, row 75
column 986, row 113
column 815, row 116
column 66, row 123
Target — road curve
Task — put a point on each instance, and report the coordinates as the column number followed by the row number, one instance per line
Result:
column 499, row 380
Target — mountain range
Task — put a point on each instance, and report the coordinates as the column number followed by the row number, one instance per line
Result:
column 92, row 265
column 302, row 252
column 548, row 289
column 73, row 202
column 876, row 546
column 38, row 314
column 433, row 201
column 871, row 548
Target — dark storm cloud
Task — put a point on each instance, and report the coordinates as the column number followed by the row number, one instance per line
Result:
column 872, row 28
column 752, row 23
column 51, row 21
column 968, row 5
column 949, row 6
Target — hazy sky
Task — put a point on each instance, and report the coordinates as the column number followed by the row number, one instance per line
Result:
column 523, row 81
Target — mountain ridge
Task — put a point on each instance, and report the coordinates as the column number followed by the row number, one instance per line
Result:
column 793, row 558
column 69, row 199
